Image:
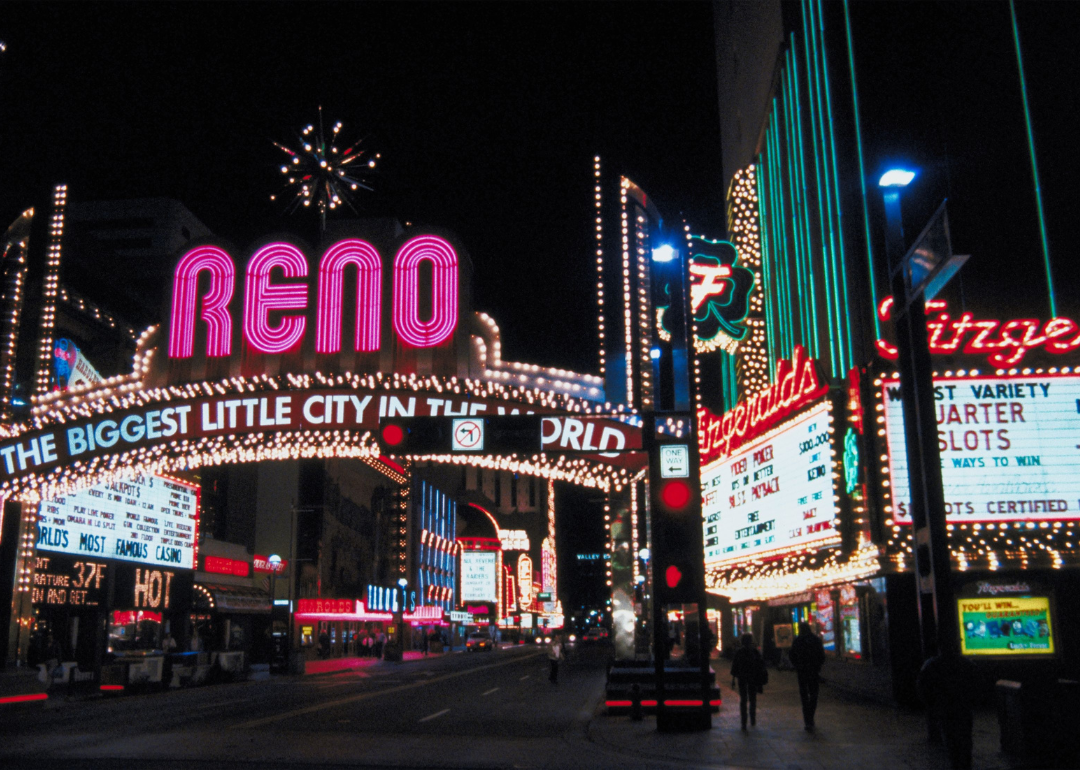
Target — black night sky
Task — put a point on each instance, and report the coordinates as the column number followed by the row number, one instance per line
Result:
column 487, row 116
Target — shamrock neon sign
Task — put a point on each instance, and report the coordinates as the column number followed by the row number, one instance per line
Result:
column 719, row 290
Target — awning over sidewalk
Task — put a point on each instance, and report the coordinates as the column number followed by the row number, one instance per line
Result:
column 223, row 598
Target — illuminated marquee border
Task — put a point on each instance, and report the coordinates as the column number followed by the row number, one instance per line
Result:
column 977, row 545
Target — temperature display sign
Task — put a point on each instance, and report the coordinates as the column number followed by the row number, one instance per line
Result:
column 143, row 519
column 775, row 495
column 1009, row 447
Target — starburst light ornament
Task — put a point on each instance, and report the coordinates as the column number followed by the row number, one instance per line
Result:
column 319, row 173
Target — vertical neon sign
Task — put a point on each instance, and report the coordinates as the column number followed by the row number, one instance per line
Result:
column 261, row 297
column 368, row 299
column 444, row 292
column 215, row 311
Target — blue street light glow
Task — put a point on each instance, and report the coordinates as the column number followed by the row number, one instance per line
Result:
column 664, row 253
column 896, row 177
column 654, row 353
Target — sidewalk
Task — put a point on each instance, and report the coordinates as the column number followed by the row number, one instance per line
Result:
column 851, row 734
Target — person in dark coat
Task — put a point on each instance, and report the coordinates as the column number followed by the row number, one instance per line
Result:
column 948, row 684
column 807, row 655
column 748, row 667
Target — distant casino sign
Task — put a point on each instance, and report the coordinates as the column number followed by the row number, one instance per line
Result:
column 144, row 519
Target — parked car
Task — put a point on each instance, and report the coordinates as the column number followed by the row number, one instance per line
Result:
column 479, row 641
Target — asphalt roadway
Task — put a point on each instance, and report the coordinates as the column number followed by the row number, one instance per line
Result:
column 476, row 710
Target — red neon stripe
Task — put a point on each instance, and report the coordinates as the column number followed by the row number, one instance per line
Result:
column 25, row 698
column 386, row 461
column 682, row 703
column 112, row 687
column 618, row 703
column 648, row 703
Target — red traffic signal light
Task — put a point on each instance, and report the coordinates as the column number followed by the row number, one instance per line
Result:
column 393, row 435
column 675, row 494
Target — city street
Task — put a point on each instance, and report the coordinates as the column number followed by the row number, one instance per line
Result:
column 460, row 710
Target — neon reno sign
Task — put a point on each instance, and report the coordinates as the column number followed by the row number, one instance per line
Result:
column 275, row 312
column 798, row 382
column 1004, row 344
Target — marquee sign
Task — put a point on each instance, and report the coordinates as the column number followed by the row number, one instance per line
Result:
column 798, row 382
column 478, row 575
column 775, row 494
column 1009, row 447
column 1003, row 343
column 144, row 519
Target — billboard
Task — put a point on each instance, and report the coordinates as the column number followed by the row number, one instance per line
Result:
column 775, row 494
column 142, row 519
column 478, row 571
column 1008, row 447
column 1008, row 625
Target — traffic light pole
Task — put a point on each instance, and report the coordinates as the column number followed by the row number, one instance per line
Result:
column 678, row 567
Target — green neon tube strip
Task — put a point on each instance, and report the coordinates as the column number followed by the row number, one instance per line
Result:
column 862, row 175
column 1034, row 164
column 841, row 276
column 804, row 212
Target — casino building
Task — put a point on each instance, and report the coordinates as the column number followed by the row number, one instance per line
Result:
column 807, row 515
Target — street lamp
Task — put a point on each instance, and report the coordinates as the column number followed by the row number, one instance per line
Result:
column 402, row 583
column 275, row 564
column 937, row 613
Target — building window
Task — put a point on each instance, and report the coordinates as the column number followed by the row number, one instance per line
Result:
column 532, row 493
column 513, row 491
column 498, row 489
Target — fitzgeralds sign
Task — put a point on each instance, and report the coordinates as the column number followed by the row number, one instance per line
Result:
column 798, row 383
column 1003, row 343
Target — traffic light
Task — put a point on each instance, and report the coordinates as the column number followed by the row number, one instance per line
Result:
column 678, row 553
column 414, row 436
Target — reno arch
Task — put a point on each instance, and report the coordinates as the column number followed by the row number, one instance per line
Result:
column 275, row 312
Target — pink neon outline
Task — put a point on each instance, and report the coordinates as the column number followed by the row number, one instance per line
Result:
column 411, row 330
column 261, row 297
column 368, row 296
column 215, row 311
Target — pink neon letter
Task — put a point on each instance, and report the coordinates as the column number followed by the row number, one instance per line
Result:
column 368, row 296
column 215, row 311
column 261, row 297
column 444, row 292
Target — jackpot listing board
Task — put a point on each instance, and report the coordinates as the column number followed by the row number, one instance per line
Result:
column 775, row 494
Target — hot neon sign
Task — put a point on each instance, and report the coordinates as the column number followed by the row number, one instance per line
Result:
column 797, row 383
column 276, row 303
column 1004, row 344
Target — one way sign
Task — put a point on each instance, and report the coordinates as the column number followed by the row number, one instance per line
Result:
column 674, row 461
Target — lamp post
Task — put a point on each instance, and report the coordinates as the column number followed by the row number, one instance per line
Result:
column 402, row 583
column 275, row 564
column 939, row 632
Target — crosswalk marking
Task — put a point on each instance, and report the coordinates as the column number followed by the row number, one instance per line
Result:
column 493, row 689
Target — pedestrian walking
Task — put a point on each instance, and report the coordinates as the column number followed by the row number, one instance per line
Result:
column 807, row 655
column 748, row 667
column 555, row 653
